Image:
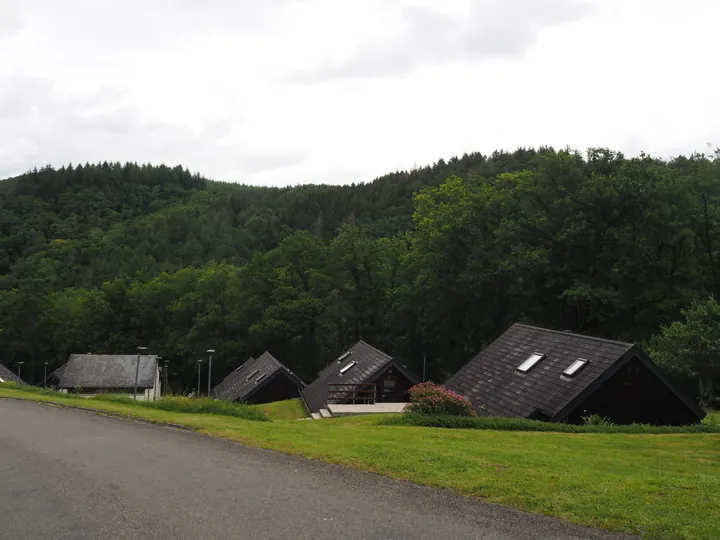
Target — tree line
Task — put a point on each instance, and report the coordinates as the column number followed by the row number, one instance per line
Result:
column 428, row 264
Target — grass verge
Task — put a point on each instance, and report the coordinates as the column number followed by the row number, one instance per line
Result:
column 711, row 425
column 658, row 486
column 175, row 404
column 290, row 409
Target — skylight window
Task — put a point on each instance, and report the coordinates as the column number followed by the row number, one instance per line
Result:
column 2, row 380
column 344, row 356
column 260, row 378
column 576, row 366
column 350, row 365
column 252, row 374
column 530, row 362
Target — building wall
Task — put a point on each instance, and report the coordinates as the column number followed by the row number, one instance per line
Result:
column 635, row 394
column 143, row 394
column 277, row 389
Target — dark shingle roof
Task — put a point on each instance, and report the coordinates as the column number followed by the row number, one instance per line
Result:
column 251, row 376
column 8, row 376
column 107, row 371
column 369, row 363
column 493, row 384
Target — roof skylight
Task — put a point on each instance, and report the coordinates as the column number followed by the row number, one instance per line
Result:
column 344, row 356
column 576, row 366
column 350, row 365
column 530, row 362
column 260, row 378
column 255, row 372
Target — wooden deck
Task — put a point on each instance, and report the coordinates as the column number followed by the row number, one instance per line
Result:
column 375, row 408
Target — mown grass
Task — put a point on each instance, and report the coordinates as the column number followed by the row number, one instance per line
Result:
column 290, row 409
column 520, row 424
column 170, row 403
column 655, row 485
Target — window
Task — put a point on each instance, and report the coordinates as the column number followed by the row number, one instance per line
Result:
column 260, row 378
column 351, row 364
column 530, row 362
column 252, row 374
column 344, row 356
column 576, row 366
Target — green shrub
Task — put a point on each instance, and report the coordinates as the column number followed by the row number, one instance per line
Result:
column 597, row 420
column 431, row 398
column 194, row 406
column 209, row 406
column 521, row 424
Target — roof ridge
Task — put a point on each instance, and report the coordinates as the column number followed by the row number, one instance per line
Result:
column 584, row 336
column 374, row 348
column 277, row 362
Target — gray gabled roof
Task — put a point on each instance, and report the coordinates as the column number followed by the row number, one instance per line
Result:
column 493, row 383
column 369, row 363
column 8, row 376
column 252, row 375
column 107, row 371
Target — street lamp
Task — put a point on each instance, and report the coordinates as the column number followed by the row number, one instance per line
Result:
column 165, row 377
column 45, row 379
column 137, row 370
column 157, row 364
column 19, row 364
column 210, row 354
column 199, row 362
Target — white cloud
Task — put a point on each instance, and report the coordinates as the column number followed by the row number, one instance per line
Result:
column 429, row 36
column 388, row 83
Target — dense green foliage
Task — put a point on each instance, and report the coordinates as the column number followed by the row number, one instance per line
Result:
column 521, row 424
column 691, row 347
column 107, row 257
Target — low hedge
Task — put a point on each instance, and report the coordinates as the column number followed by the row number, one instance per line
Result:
column 520, row 424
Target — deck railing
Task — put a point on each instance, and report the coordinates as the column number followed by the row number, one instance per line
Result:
column 352, row 393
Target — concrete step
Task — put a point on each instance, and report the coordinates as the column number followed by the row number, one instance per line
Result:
column 316, row 416
column 325, row 413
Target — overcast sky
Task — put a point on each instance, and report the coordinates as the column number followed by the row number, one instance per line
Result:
column 278, row 92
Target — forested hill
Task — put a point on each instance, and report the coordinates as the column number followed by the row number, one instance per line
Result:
column 433, row 262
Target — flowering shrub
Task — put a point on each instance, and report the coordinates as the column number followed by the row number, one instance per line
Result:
column 431, row 398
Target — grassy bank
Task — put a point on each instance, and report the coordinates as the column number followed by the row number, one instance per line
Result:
column 709, row 425
column 659, row 486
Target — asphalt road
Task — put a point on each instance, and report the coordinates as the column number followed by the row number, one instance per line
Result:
column 69, row 474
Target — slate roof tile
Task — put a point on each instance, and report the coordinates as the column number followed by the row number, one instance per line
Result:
column 251, row 376
column 107, row 371
column 8, row 376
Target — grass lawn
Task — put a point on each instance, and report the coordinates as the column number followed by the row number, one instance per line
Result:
column 659, row 486
column 290, row 409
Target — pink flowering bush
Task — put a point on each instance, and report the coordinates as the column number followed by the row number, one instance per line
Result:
column 431, row 398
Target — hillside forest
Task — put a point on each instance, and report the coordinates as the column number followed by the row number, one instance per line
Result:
column 428, row 265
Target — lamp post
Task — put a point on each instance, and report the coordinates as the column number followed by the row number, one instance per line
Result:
column 210, row 355
column 45, row 379
column 19, row 364
column 199, row 362
column 165, row 376
column 137, row 370
column 157, row 364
